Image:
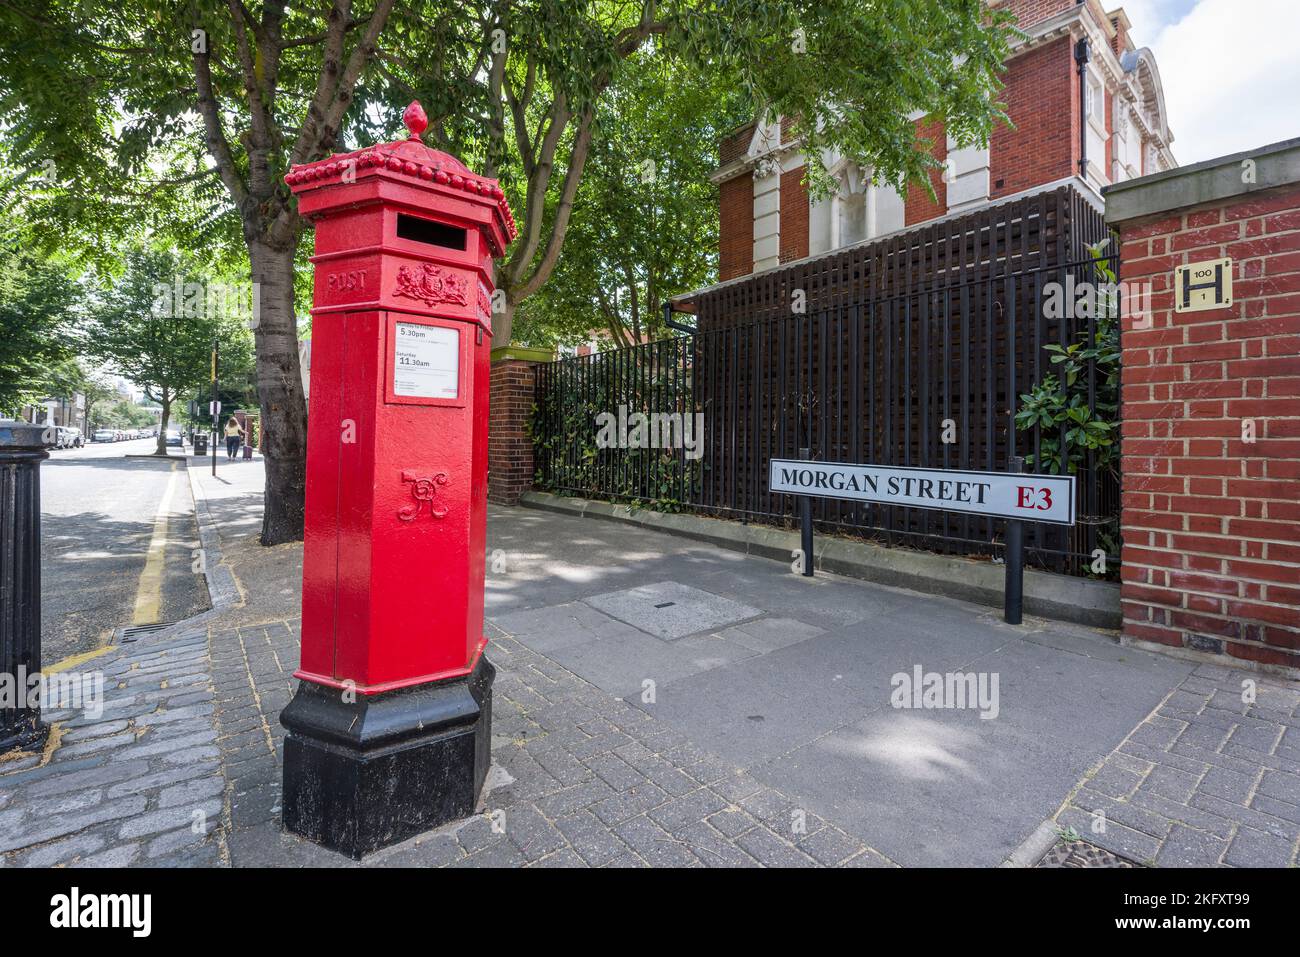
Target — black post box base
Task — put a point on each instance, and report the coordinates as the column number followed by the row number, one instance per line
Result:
column 362, row 775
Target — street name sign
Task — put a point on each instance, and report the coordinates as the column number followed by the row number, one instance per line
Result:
column 1019, row 495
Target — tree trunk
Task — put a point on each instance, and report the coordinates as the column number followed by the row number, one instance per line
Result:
column 166, row 403
column 279, row 390
column 503, row 323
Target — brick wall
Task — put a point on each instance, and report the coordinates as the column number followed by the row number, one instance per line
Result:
column 1119, row 42
column 794, row 215
column 1042, row 100
column 1212, row 522
column 735, row 209
column 510, row 450
column 736, row 227
column 919, row 207
column 1031, row 11
column 733, row 145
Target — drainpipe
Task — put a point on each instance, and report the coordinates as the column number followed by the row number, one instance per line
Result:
column 672, row 323
column 1082, row 53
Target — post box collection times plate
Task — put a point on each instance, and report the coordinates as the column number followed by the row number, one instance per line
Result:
column 1031, row 498
column 426, row 361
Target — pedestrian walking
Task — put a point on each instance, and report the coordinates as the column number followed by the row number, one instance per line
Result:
column 234, row 436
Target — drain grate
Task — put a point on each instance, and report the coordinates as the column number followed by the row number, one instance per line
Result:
column 1067, row 853
column 135, row 632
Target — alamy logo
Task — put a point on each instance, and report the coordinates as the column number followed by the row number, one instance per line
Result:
column 212, row 300
column 654, row 430
column 955, row 689
column 74, row 909
column 62, row 689
column 1087, row 300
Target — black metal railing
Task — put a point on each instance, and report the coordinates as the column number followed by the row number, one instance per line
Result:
column 929, row 379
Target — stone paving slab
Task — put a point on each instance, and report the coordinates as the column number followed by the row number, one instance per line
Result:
column 1210, row 778
column 672, row 610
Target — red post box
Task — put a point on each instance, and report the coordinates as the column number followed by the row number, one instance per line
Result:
column 389, row 729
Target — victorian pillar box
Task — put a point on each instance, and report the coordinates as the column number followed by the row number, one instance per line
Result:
column 389, row 730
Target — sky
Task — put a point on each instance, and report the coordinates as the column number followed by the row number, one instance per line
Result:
column 1230, row 70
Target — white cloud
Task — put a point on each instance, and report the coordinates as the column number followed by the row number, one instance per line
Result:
column 1230, row 71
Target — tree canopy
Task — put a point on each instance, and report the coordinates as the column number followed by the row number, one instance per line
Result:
column 38, row 315
column 187, row 116
column 645, row 222
column 156, row 325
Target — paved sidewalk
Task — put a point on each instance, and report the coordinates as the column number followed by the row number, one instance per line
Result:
column 138, row 782
column 1209, row 778
column 661, row 702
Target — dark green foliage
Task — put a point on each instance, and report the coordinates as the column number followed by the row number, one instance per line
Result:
column 565, row 431
column 38, row 300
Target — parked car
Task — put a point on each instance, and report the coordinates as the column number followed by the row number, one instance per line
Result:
column 174, row 437
column 68, row 438
column 104, row 435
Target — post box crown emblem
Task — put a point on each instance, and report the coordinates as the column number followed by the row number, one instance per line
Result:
column 409, row 160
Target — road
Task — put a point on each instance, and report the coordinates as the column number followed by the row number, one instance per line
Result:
column 117, row 545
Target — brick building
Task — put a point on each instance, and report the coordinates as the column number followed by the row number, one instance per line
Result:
column 1087, row 105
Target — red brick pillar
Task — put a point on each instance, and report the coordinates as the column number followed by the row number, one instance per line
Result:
column 1211, row 410
column 510, row 449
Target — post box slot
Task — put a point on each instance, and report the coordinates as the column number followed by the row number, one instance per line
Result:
column 429, row 232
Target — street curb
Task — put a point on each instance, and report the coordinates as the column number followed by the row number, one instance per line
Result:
column 1057, row 597
column 223, row 591
column 1032, row 849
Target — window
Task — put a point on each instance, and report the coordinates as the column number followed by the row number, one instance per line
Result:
column 853, row 218
column 1096, row 101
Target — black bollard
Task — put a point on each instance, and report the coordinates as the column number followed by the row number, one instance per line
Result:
column 806, row 526
column 21, row 450
column 1014, row 588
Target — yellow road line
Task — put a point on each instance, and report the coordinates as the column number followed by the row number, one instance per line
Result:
column 73, row 660
column 148, row 592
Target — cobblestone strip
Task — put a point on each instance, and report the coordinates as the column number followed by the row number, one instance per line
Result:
column 139, row 783
column 252, row 668
column 581, row 779
column 1210, row 778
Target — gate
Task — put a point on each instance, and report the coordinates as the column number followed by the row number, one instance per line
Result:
column 929, row 379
